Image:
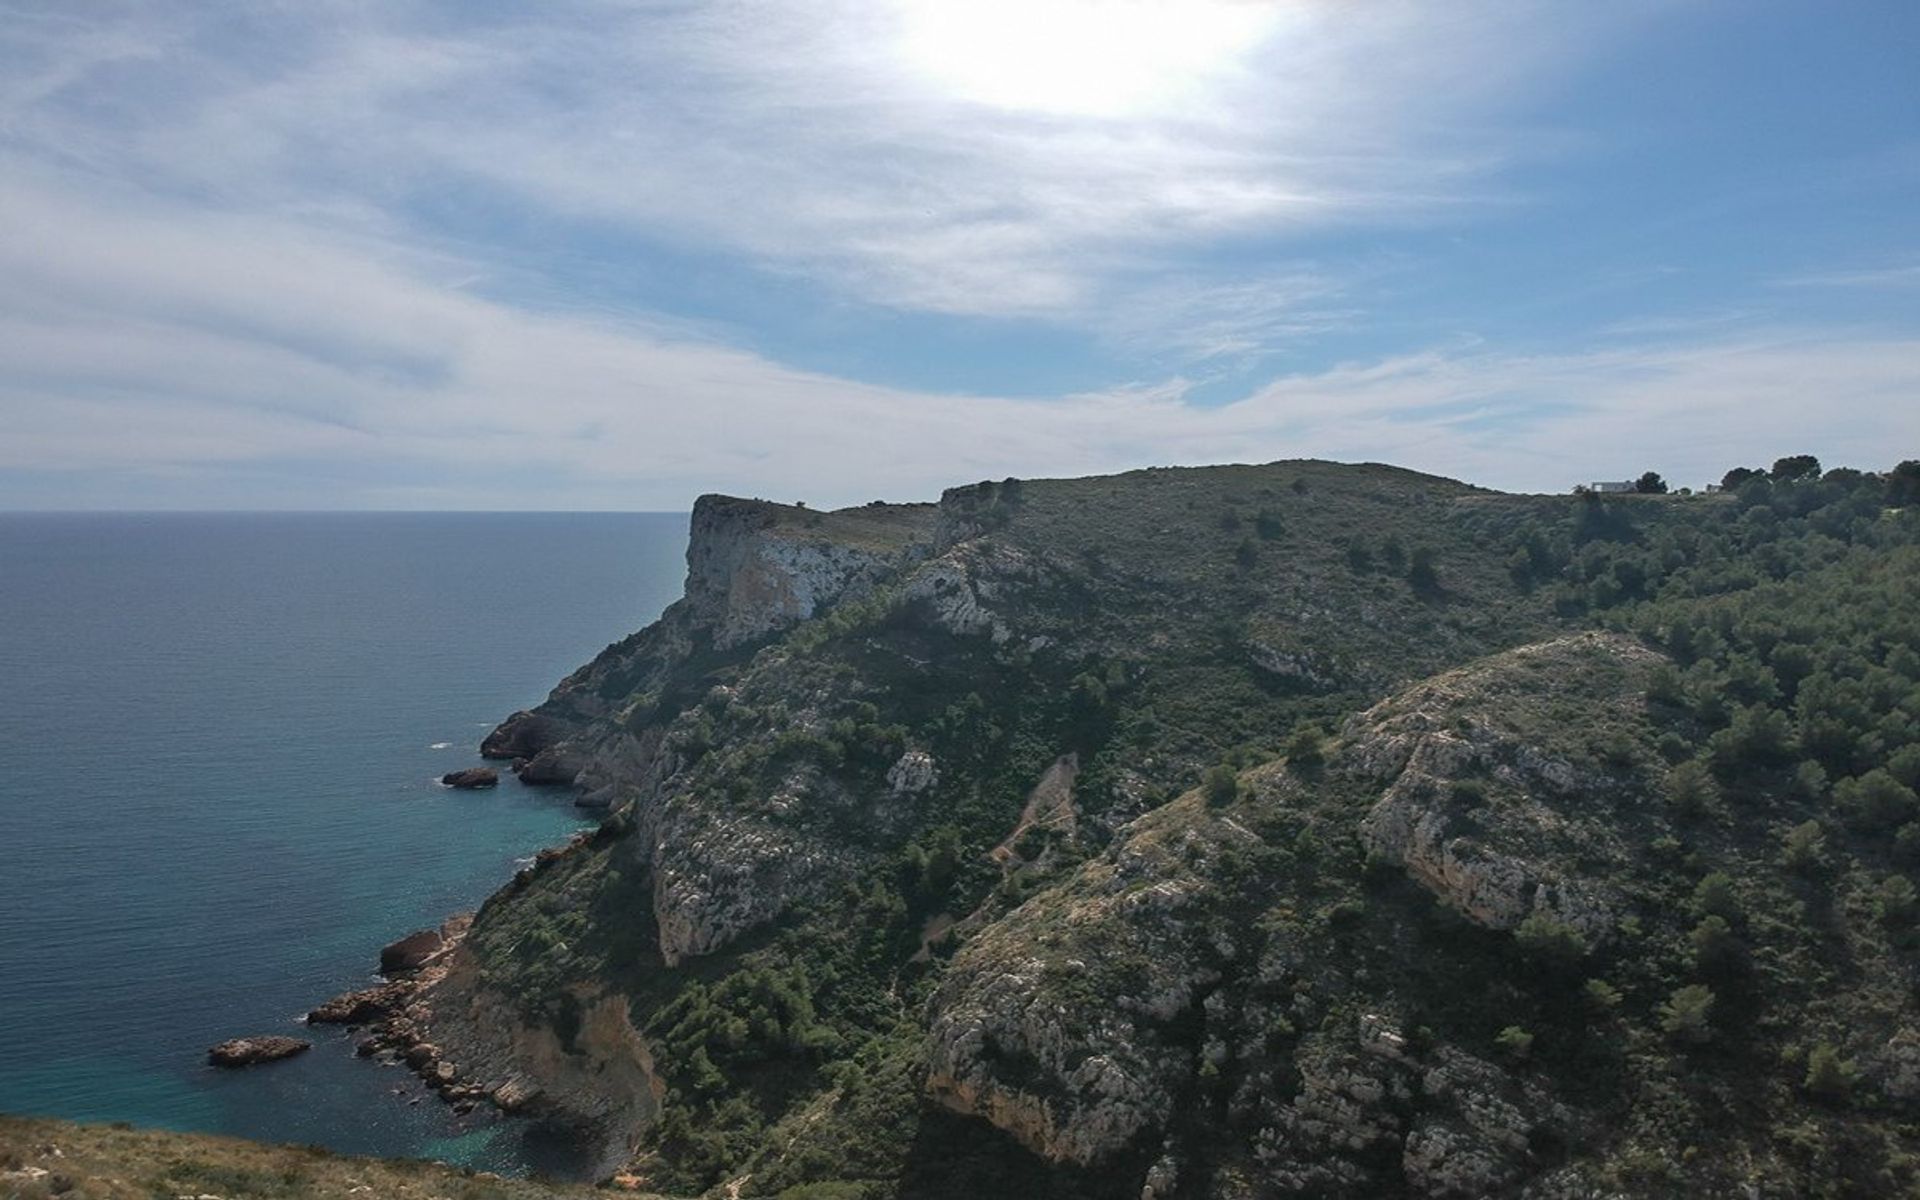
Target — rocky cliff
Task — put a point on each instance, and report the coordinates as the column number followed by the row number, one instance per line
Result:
column 1239, row 832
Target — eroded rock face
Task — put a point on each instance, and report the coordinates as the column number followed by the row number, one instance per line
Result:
column 601, row 1081
column 412, row 952
column 718, row 873
column 961, row 591
column 754, row 568
column 1479, row 808
column 914, row 773
column 1017, row 1035
column 522, row 735
column 1440, row 1124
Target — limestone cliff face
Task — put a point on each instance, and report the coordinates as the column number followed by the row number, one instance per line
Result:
column 1082, row 1021
column 598, row 1077
column 755, row 568
column 1054, row 1022
column 719, row 872
column 1480, row 808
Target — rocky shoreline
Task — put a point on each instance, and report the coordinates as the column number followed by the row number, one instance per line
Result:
column 394, row 1019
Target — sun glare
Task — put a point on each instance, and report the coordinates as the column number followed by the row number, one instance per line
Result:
column 1078, row 57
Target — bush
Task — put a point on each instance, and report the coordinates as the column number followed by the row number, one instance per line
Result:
column 1805, row 848
column 1515, row 1042
column 1713, row 896
column 1692, row 791
column 1717, row 953
column 1895, row 902
column 1601, row 996
column 1306, row 747
column 1422, row 573
column 1685, row 1015
column 1544, row 937
column 1828, row 1074
column 1221, row 785
column 1876, row 800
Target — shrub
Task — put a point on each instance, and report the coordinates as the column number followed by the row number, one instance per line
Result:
column 1875, row 800
column 1515, row 1042
column 1601, row 996
column 1805, row 848
column 1717, row 953
column 1545, row 937
column 1691, row 791
column 1714, row 896
column 1306, row 747
column 1685, row 1015
column 1896, row 901
column 1422, row 572
column 1828, row 1074
column 1221, row 785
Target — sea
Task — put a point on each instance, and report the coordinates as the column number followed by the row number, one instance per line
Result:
column 221, row 797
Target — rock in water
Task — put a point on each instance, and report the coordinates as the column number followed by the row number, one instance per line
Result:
column 472, row 777
column 361, row 1007
column 411, row 952
column 245, row 1051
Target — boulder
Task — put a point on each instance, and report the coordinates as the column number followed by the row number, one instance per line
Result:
column 515, row 1094
column 245, row 1051
column 362, row 1007
column 411, row 952
column 472, row 777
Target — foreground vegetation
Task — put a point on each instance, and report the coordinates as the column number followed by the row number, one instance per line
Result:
column 41, row 1159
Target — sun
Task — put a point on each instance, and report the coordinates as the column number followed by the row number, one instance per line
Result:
column 1093, row 58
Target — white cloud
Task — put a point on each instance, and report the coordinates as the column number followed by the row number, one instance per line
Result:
column 156, row 346
column 1028, row 160
column 219, row 268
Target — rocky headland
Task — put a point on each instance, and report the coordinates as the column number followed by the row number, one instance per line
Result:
column 1298, row 830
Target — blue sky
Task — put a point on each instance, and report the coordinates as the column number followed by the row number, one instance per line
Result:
column 347, row 254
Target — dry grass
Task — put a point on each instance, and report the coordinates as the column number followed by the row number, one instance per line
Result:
column 40, row 1159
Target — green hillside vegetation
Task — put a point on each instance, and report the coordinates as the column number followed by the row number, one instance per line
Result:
column 1742, row 748
column 41, row 1160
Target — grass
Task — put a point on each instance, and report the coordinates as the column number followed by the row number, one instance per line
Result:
column 41, row 1159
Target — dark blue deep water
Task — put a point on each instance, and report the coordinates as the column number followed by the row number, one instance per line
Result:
column 218, row 799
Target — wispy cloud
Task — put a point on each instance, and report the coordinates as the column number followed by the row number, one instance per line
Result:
column 305, row 245
column 154, row 348
column 810, row 138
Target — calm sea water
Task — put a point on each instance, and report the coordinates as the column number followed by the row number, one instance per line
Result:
column 219, row 799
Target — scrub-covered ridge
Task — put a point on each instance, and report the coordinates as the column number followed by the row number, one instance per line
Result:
column 1290, row 830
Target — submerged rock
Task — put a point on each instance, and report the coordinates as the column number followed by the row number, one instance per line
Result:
column 246, row 1051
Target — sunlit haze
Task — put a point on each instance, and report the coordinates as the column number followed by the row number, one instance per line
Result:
column 613, row 255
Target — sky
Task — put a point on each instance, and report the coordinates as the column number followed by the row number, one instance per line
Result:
column 612, row 254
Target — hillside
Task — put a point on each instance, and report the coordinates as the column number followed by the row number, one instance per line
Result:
column 1300, row 829
column 44, row 1159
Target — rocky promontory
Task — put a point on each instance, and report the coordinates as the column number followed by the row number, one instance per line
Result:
column 1223, row 834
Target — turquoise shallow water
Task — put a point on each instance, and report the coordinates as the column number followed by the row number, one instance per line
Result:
column 220, row 796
